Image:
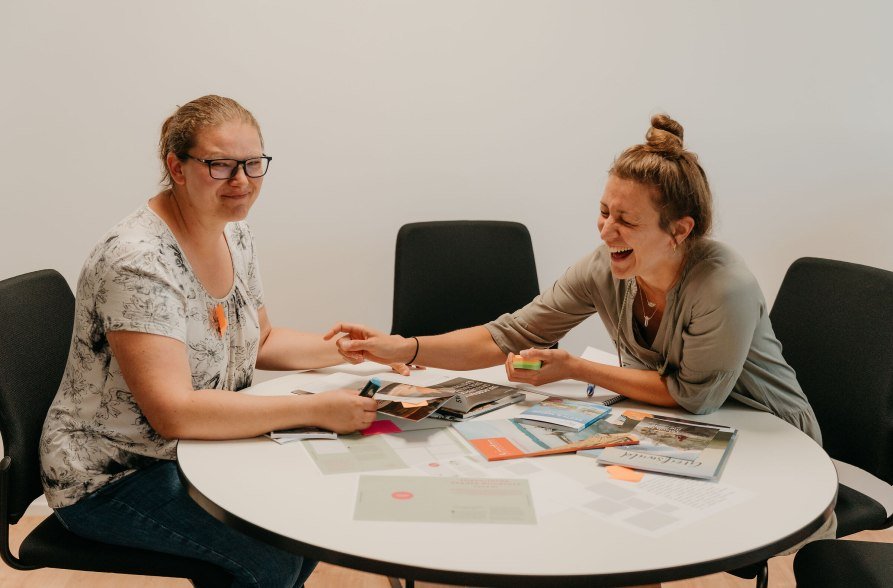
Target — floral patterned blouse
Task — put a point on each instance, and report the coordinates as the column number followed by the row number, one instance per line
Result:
column 137, row 279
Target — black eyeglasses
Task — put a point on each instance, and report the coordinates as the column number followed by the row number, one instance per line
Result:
column 226, row 169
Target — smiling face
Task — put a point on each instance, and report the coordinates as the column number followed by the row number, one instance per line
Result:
column 629, row 224
column 211, row 201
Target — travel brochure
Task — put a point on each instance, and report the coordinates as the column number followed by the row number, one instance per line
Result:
column 672, row 445
column 562, row 413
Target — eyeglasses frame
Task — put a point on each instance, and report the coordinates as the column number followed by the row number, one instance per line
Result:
column 239, row 163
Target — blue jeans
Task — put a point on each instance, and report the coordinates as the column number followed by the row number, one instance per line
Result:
column 150, row 509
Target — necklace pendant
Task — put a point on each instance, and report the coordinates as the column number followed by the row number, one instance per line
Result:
column 646, row 320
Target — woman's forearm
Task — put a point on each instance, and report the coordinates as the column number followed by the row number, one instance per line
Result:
column 287, row 349
column 465, row 349
column 642, row 385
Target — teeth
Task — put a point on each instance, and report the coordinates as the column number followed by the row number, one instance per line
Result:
column 620, row 249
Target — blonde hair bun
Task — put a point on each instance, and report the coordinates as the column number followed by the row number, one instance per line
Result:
column 665, row 136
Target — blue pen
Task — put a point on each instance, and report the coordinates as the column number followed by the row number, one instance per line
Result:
column 590, row 390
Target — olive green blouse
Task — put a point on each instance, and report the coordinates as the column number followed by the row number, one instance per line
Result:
column 714, row 341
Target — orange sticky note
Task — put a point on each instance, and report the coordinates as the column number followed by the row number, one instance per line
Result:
column 414, row 404
column 625, row 474
column 636, row 415
column 221, row 319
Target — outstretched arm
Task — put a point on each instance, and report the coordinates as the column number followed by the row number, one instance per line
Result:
column 465, row 349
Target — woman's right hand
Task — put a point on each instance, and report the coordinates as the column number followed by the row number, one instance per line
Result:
column 344, row 411
column 360, row 342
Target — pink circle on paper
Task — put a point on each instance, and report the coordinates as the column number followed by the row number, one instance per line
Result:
column 401, row 495
column 433, row 464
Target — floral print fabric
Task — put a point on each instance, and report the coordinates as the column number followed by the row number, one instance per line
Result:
column 137, row 279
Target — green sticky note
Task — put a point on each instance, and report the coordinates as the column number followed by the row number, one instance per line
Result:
column 527, row 364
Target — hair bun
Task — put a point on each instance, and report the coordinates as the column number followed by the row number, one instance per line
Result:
column 665, row 136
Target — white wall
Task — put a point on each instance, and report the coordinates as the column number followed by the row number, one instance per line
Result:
column 382, row 113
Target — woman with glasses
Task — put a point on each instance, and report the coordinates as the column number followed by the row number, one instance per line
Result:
column 170, row 322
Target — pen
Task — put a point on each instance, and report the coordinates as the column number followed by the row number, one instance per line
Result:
column 590, row 390
column 371, row 388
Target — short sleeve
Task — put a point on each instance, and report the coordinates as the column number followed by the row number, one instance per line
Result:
column 716, row 341
column 138, row 293
column 549, row 316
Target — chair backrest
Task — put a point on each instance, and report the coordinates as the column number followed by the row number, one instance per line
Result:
column 454, row 274
column 36, row 320
column 835, row 322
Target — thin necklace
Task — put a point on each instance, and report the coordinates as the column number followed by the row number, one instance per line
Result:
column 645, row 300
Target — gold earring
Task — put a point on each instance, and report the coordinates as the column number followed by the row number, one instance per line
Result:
column 674, row 248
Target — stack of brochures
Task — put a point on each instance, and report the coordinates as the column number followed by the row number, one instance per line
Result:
column 672, row 445
column 565, row 414
column 457, row 399
column 299, row 433
column 471, row 398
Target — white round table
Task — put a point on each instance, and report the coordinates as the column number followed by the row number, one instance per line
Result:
column 277, row 494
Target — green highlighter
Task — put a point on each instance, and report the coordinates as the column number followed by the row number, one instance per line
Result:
column 526, row 364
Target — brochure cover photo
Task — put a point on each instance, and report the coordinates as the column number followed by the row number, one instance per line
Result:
column 673, row 445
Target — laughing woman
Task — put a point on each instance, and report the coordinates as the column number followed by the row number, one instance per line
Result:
column 688, row 318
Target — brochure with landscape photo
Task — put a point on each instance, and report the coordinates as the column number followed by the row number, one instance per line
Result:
column 673, row 445
column 563, row 413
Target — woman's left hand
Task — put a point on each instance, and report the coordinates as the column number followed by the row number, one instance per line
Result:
column 557, row 365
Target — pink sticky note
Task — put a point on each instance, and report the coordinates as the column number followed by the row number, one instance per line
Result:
column 626, row 474
column 383, row 426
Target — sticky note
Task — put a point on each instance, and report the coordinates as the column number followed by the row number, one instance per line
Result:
column 625, row 474
column 636, row 415
column 526, row 364
column 383, row 426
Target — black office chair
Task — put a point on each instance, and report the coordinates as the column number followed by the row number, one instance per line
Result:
column 37, row 316
column 455, row 274
column 833, row 320
column 844, row 564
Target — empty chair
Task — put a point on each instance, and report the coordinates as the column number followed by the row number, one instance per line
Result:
column 833, row 321
column 844, row 564
column 37, row 314
column 832, row 318
column 454, row 274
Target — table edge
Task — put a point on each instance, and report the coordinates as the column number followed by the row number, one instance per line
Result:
column 385, row 568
